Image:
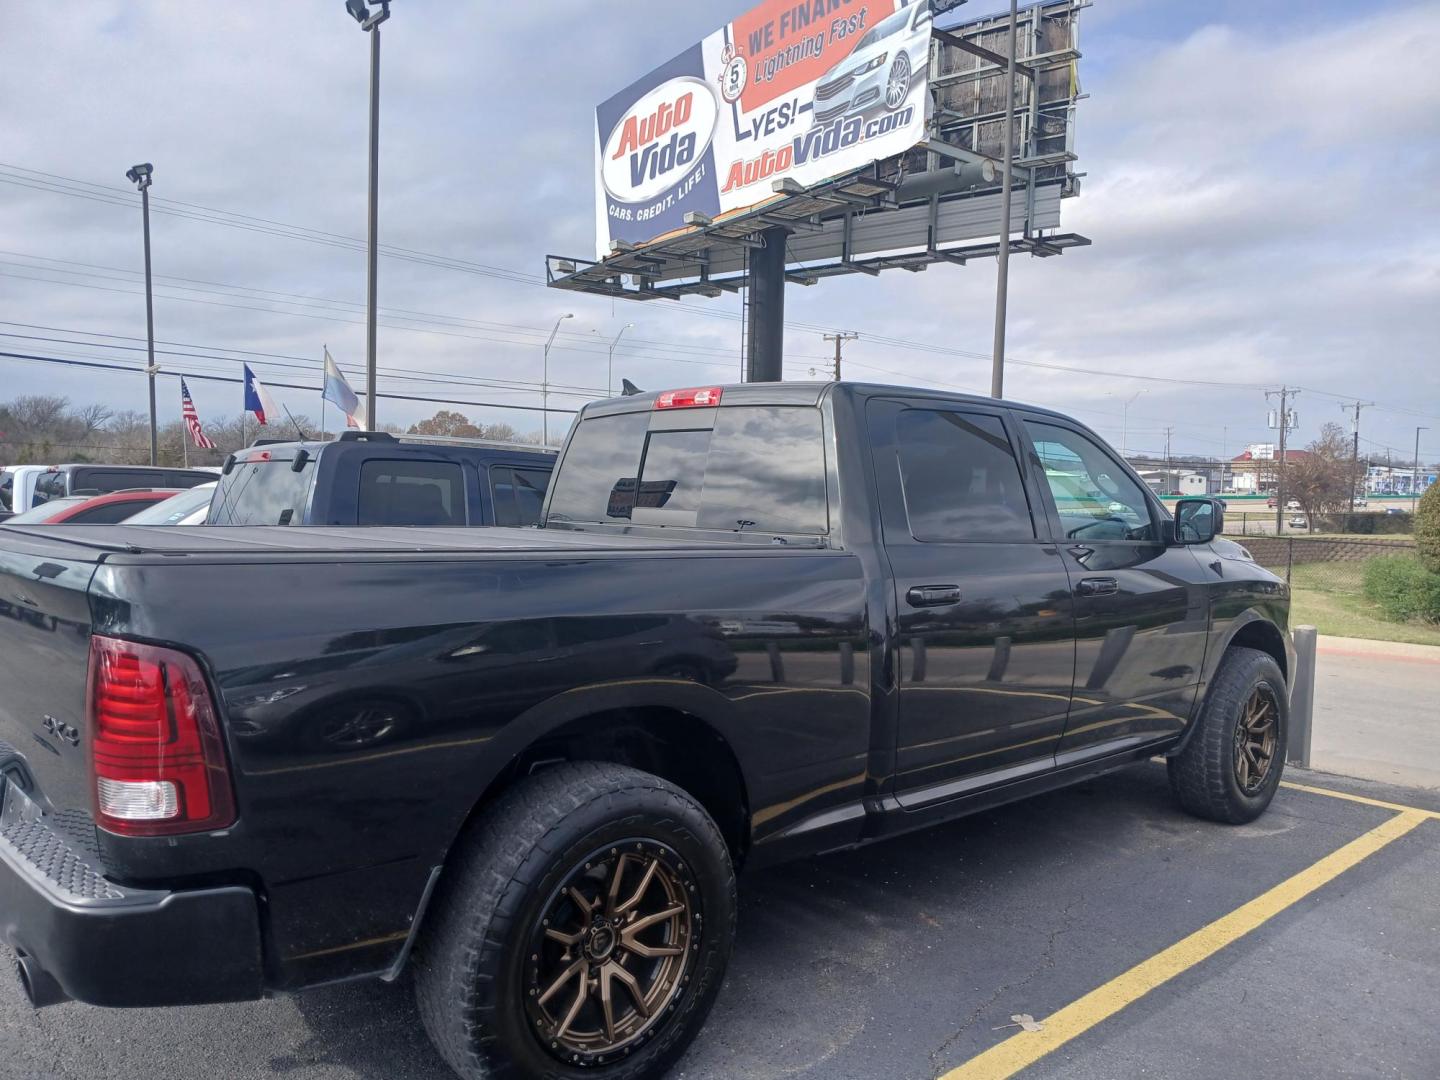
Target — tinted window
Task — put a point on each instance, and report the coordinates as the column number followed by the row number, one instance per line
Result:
column 597, row 480
column 105, row 480
column 52, row 508
column 766, row 472
column 411, row 493
column 263, row 493
column 960, row 477
column 518, row 494
column 1095, row 497
column 759, row 470
column 108, row 514
column 7, row 488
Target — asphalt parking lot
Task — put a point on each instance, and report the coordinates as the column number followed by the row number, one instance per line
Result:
column 1145, row 942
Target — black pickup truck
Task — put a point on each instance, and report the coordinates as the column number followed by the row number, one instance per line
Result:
column 758, row 622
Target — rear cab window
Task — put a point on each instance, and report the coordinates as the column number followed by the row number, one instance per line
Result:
column 749, row 470
column 263, row 488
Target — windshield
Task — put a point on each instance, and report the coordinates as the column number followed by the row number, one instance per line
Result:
column 46, row 511
column 264, row 490
column 175, row 509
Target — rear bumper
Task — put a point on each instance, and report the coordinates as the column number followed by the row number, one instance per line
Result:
column 106, row 944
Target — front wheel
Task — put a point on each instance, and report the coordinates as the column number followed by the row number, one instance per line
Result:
column 1231, row 765
column 582, row 929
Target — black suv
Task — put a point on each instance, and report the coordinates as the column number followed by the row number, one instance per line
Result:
column 374, row 478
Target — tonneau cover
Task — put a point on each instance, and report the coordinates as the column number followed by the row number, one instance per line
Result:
column 95, row 542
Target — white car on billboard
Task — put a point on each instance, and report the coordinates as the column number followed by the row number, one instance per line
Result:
column 880, row 71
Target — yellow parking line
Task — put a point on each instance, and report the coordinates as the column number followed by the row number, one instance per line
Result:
column 1399, row 808
column 1027, row 1047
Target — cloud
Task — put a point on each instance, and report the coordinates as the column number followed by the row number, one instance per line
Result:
column 1260, row 199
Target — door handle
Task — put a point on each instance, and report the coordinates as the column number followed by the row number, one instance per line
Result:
column 1097, row 586
column 933, row 595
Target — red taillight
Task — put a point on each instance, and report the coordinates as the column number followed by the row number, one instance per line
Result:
column 699, row 398
column 156, row 755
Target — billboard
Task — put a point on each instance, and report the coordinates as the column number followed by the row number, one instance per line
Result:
column 798, row 89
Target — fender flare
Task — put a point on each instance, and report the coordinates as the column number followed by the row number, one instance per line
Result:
column 1213, row 659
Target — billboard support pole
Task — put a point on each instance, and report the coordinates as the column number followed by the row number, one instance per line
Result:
column 765, row 355
column 1002, row 280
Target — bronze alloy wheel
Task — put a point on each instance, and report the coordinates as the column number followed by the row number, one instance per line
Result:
column 611, row 952
column 1256, row 737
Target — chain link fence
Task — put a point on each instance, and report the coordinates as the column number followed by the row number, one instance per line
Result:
column 1330, row 564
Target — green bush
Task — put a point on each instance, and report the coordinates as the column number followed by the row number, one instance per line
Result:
column 1403, row 588
column 1427, row 529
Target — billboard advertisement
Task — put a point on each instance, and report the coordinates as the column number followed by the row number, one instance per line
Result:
column 804, row 89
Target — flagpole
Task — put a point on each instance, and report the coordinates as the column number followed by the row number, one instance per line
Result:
column 322, row 393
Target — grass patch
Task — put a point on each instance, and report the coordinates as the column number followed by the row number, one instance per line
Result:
column 1330, row 597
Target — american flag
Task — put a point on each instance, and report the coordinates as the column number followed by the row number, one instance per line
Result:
column 192, row 421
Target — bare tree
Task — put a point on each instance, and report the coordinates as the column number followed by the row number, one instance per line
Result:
column 1323, row 479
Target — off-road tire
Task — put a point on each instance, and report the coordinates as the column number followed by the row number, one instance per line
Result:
column 469, row 956
column 1203, row 775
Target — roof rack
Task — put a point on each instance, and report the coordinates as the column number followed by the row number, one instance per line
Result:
column 491, row 444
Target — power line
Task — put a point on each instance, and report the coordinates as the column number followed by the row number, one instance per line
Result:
column 33, row 358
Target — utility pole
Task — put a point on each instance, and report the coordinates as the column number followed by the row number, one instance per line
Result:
column 1002, row 272
column 141, row 176
column 1224, row 456
column 1169, row 477
column 371, row 25
column 1284, row 394
column 1415, row 476
column 839, row 339
column 1355, row 453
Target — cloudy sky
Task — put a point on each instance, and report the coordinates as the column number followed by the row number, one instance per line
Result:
column 1260, row 189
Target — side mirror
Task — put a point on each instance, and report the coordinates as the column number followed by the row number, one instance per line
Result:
column 1198, row 521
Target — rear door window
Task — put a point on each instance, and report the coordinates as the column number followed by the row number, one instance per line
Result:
column 263, row 492
column 411, row 493
column 107, row 480
column 960, row 477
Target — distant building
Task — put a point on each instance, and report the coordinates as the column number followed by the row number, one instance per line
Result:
column 1253, row 472
column 1382, row 480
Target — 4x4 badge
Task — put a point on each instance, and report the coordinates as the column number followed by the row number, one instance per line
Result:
column 62, row 731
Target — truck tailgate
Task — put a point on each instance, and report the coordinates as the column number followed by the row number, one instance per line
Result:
column 44, row 649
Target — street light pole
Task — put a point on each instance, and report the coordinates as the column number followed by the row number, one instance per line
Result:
column 1125, row 423
column 1002, row 280
column 610, row 366
column 140, row 176
column 371, row 25
column 545, row 378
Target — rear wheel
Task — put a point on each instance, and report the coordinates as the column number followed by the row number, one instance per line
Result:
column 1231, row 765
column 582, row 929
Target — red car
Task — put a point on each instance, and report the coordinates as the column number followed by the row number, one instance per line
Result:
column 93, row 509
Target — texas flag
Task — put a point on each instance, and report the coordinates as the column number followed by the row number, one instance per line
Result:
column 257, row 398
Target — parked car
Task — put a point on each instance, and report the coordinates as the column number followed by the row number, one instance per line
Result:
column 108, row 509
column 758, row 622
column 1298, row 521
column 373, row 478
column 185, row 508
column 59, row 481
column 1360, row 503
